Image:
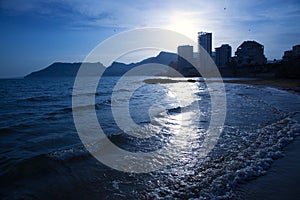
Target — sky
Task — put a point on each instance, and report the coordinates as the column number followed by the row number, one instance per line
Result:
column 36, row 33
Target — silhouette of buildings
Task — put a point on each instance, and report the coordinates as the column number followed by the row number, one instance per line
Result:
column 291, row 54
column 249, row 60
column 290, row 66
column 296, row 50
column 186, row 61
column 223, row 55
column 205, row 40
column 287, row 56
column 250, row 53
column 213, row 56
column 185, row 54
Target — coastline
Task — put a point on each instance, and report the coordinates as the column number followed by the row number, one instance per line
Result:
column 280, row 182
column 289, row 85
column 283, row 178
column 73, row 156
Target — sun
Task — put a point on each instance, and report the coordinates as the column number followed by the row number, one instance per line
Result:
column 183, row 23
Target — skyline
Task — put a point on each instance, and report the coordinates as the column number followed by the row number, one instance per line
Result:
column 40, row 33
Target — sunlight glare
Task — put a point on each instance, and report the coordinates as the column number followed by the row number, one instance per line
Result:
column 183, row 23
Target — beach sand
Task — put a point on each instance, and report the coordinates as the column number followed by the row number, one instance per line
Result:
column 289, row 85
column 282, row 180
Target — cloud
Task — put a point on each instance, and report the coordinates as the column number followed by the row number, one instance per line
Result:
column 231, row 21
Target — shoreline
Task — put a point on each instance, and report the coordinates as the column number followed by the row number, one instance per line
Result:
column 283, row 177
column 289, row 85
column 280, row 182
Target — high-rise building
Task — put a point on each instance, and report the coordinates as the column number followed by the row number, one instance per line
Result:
column 250, row 53
column 223, row 55
column 213, row 56
column 205, row 40
column 185, row 55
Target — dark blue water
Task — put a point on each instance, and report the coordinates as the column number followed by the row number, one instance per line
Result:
column 42, row 156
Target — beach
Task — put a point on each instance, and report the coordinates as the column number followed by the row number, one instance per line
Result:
column 289, row 85
column 44, row 156
column 282, row 180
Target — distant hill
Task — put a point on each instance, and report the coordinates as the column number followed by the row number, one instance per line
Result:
column 59, row 69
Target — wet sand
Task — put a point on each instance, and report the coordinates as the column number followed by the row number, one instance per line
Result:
column 282, row 180
column 289, row 85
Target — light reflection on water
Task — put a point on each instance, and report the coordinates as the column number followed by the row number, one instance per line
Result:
column 257, row 127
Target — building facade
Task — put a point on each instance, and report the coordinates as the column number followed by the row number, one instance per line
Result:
column 250, row 53
column 287, row 56
column 296, row 50
column 185, row 54
column 205, row 40
column 223, row 55
column 291, row 54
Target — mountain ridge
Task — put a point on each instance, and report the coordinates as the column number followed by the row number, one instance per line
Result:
column 62, row 69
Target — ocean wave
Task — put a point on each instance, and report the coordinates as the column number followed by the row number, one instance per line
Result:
column 17, row 127
column 238, row 157
column 42, row 98
column 121, row 139
column 69, row 153
column 185, row 108
column 100, row 93
column 175, row 110
column 66, row 110
column 80, row 151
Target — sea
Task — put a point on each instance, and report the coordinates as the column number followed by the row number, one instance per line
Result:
column 42, row 155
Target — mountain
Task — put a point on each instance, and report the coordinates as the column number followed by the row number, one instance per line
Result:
column 59, row 69
column 164, row 58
